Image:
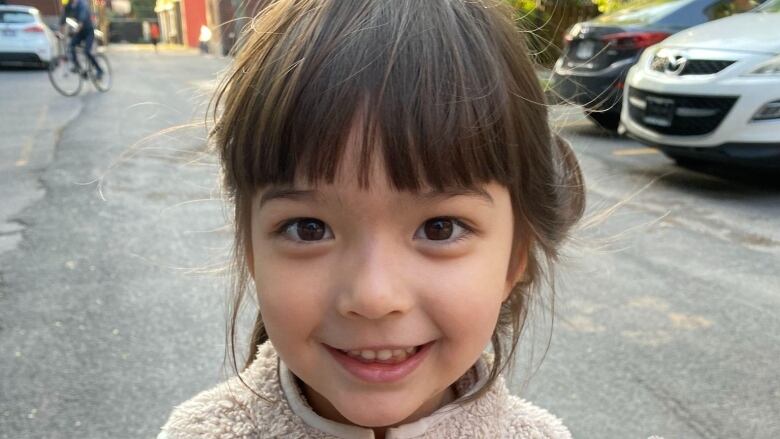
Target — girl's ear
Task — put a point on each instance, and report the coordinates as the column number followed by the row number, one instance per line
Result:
column 518, row 263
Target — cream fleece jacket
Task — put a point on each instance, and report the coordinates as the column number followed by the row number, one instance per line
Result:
column 231, row 411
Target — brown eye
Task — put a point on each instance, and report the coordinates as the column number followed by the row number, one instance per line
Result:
column 305, row 230
column 438, row 229
column 310, row 229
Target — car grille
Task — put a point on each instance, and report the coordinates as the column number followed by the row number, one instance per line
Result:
column 693, row 66
column 704, row 67
column 678, row 115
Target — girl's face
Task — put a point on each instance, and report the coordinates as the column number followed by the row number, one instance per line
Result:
column 379, row 300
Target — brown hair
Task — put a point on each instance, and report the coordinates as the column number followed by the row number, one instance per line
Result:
column 451, row 98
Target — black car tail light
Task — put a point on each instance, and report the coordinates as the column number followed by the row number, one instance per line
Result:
column 633, row 40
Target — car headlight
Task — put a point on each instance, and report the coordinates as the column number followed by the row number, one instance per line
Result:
column 771, row 67
column 648, row 54
column 655, row 58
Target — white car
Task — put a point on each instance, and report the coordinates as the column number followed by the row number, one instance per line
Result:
column 711, row 92
column 24, row 37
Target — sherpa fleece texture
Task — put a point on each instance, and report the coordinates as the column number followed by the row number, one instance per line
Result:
column 231, row 411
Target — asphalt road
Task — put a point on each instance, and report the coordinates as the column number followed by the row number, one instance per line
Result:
column 113, row 237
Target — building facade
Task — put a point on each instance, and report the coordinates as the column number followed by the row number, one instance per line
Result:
column 180, row 21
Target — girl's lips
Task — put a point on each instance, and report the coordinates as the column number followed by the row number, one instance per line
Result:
column 380, row 372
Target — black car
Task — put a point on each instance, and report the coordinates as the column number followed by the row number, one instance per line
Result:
column 598, row 53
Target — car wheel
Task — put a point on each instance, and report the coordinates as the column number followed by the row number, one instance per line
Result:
column 608, row 121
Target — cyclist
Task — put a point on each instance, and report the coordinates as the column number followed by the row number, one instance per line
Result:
column 80, row 11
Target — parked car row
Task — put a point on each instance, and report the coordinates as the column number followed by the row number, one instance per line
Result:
column 707, row 92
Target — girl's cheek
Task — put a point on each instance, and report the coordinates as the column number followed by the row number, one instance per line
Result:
column 475, row 282
column 295, row 281
column 455, row 279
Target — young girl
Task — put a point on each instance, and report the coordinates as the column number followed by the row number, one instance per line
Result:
column 398, row 198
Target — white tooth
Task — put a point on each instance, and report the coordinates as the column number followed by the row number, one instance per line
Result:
column 398, row 352
column 410, row 350
column 368, row 355
column 384, row 354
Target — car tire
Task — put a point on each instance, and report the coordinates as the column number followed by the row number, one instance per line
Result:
column 608, row 121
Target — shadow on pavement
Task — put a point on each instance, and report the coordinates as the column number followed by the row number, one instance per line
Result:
column 586, row 128
column 22, row 70
column 756, row 178
column 717, row 180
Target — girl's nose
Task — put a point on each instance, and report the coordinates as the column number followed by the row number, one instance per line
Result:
column 373, row 284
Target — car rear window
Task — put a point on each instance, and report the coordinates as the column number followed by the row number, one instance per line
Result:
column 642, row 12
column 16, row 17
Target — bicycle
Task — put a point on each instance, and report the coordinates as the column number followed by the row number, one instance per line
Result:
column 68, row 79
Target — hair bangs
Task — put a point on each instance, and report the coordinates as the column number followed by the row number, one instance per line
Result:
column 405, row 77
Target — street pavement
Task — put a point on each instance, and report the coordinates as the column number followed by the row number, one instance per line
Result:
column 113, row 240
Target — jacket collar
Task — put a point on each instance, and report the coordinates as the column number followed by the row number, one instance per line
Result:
column 471, row 382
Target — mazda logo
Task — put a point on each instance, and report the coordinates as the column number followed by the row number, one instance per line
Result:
column 675, row 64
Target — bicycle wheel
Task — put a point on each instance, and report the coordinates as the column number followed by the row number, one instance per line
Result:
column 104, row 83
column 62, row 78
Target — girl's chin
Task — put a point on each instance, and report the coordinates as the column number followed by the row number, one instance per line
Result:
column 378, row 412
column 369, row 411
column 376, row 420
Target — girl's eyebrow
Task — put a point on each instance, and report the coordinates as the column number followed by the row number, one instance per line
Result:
column 286, row 193
column 447, row 193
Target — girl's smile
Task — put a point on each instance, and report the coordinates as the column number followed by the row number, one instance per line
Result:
column 381, row 365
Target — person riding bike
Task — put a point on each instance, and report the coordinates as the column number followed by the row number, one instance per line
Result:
column 80, row 11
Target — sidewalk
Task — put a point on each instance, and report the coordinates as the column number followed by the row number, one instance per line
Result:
column 148, row 47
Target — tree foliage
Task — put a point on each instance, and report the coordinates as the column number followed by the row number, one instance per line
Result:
column 546, row 21
column 607, row 6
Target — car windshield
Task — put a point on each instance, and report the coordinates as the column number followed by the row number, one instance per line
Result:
column 770, row 6
column 16, row 17
column 642, row 12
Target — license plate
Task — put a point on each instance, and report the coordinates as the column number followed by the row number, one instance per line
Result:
column 585, row 49
column 659, row 111
column 9, row 33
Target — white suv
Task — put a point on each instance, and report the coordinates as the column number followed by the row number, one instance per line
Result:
column 711, row 92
